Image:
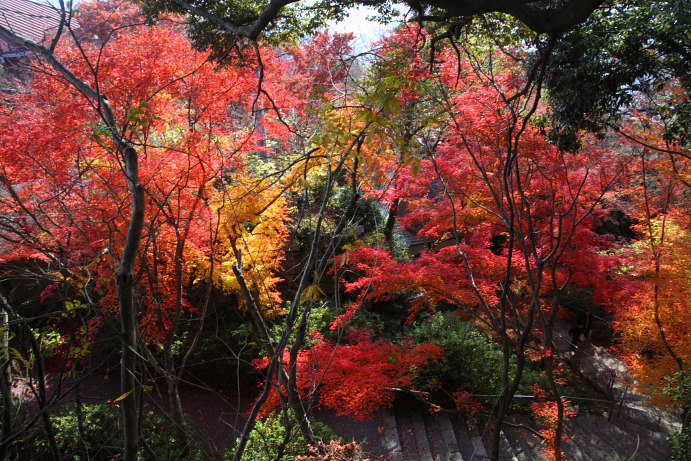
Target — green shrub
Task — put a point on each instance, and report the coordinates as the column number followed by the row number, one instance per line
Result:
column 679, row 389
column 269, row 433
column 681, row 445
column 103, row 434
column 323, row 315
column 471, row 362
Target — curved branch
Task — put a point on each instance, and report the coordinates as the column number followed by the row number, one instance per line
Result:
column 537, row 18
column 252, row 32
column 553, row 21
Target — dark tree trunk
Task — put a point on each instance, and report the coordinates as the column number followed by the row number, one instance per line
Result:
column 128, row 310
column 5, row 387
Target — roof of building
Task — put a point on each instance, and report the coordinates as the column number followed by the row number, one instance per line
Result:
column 27, row 19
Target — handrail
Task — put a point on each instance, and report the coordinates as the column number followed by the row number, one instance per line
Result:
column 612, row 379
column 563, row 397
column 581, row 351
column 519, row 396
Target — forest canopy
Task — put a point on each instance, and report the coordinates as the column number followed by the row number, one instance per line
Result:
column 224, row 195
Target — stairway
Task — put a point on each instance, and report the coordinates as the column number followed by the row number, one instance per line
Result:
column 412, row 435
column 636, row 431
column 415, row 435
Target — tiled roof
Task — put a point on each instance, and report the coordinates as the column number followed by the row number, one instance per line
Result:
column 31, row 20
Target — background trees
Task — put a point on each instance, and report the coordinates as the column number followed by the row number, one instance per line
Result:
column 132, row 158
column 650, row 287
column 623, row 53
column 69, row 211
column 513, row 215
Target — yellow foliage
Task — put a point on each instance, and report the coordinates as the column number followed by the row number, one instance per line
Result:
column 252, row 219
column 659, row 301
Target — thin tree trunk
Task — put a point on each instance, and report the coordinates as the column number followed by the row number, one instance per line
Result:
column 7, row 409
column 181, row 430
column 147, row 448
column 128, row 310
column 294, row 397
column 6, row 385
column 549, row 361
column 172, row 378
column 288, row 426
column 42, row 394
column 249, row 425
column 508, row 392
column 559, row 429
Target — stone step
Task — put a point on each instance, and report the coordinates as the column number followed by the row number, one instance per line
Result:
column 390, row 439
column 406, row 434
column 647, row 416
column 607, row 360
column 533, row 448
column 465, row 445
column 414, row 435
column 447, row 432
column 657, row 439
column 592, row 438
column 479, row 452
column 638, row 433
column 506, row 451
column 442, row 438
column 422, row 441
column 600, row 437
column 582, row 440
column 506, row 448
column 624, row 442
column 435, row 439
column 526, row 445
